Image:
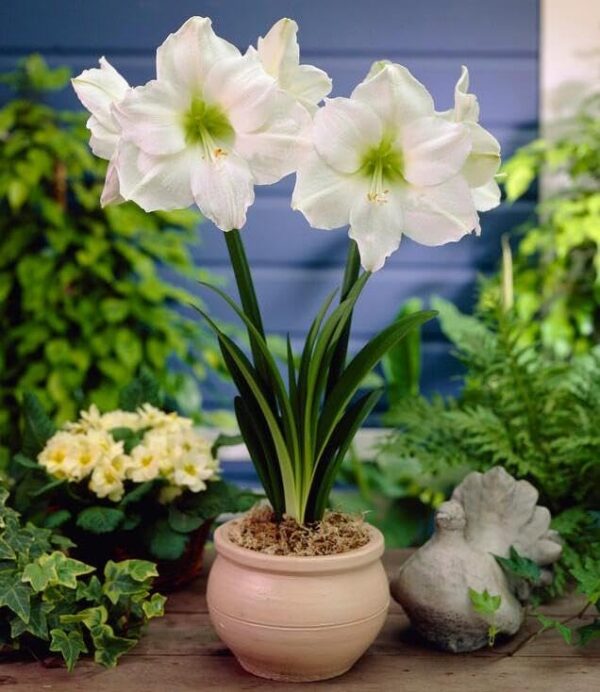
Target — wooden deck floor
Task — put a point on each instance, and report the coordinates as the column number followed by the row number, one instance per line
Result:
column 182, row 652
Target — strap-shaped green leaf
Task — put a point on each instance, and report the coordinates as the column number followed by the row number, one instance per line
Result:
column 362, row 363
column 328, row 465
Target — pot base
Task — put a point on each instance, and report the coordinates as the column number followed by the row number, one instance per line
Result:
column 255, row 668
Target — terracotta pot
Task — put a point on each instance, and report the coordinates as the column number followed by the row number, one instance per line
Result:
column 295, row 618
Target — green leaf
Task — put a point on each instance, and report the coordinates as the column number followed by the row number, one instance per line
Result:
column 587, row 575
column 130, row 438
column 38, row 575
column 519, row 566
column 484, row 603
column 100, row 519
column 588, row 633
column 358, row 368
column 127, row 578
column 66, row 569
column 26, row 462
column 38, row 426
column 550, row 623
column 6, row 551
column 155, row 607
column 57, row 519
column 14, row 594
column 109, row 647
column 143, row 390
column 90, row 617
column 70, row 645
column 165, row 543
column 182, row 522
column 38, row 621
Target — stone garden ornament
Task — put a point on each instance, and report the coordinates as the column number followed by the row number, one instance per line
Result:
column 215, row 123
column 489, row 513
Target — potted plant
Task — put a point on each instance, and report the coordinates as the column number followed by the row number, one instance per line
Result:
column 136, row 482
column 296, row 592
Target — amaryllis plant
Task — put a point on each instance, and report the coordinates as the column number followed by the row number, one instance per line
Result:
column 215, row 123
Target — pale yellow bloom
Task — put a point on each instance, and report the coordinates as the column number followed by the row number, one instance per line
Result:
column 145, row 463
column 106, row 482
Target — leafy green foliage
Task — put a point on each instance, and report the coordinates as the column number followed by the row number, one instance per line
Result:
column 520, row 567
column 299, row 433
column 487, row 606
column 557, row 267
column 47, row 605
column 82, row 304
column 143, row 522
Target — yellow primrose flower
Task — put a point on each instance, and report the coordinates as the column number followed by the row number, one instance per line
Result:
column 106, row 482
column 145, row 463
column 59, row 454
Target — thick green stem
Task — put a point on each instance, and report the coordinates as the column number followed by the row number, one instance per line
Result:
column 339, row 357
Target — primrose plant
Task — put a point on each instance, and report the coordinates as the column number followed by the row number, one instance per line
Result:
column 215, row 123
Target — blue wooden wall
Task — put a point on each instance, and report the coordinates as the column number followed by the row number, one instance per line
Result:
column 294, row 265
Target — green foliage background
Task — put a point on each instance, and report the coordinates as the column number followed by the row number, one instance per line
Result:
column 557, row 266
column 82, row 304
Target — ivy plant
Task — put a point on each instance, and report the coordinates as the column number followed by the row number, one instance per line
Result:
column 49, row 603
column 84, row 302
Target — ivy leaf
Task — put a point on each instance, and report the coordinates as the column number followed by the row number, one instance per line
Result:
column 38, row 426
column 155, row 607
column 90, row 617
column 38, row 621
column 15, row 595
column 67, row 569
column 100, row 519
column 587, row 633
column 70, row 645
column 484, row 603
column 166, row 544
column 109, row 647
column 521, row 567
column 38, row 575
column 128, row 578
column 549, row 623
column 6, row 552
column 92, row 591
column 588, row 578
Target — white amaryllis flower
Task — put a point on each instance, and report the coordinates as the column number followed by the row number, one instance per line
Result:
column 386, row 163
column 97, row 90
column 280, row 55
column 484, row 160
column 211, row 126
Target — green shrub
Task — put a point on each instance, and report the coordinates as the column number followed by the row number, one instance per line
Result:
column 83, row 305
column 557, row 266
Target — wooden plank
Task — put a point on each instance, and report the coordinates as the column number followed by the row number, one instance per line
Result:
column 373, row 673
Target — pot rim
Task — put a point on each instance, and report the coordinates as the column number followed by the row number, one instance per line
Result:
column 299, row 564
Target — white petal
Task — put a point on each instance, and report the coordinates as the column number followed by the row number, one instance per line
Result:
column 186, row 57
column 343, row 131
column 440, row 214
column 394, row 94
column 242, row 88
column 156, row 182
column 376, row 226
column 98, row 89
column 434, row 150
column 466, row 107
column 324, row 195
column 151, row 116
column 274, row 150
column 487, row 196
column 111, row 193
column 310, row 86
column 484, row 160
column 278, row 50
column 103, row 141
column 223, row 190
column 280, row 56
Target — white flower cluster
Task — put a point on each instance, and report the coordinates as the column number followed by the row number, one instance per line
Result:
column 169, row 449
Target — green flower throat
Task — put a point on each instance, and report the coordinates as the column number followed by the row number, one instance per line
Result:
column 382, row 164
column 206, row 125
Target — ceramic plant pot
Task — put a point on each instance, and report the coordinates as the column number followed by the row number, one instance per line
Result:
column 297, row 619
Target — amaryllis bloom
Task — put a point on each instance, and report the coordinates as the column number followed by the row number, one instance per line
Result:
column 98, row 89
column 280, row 55
column 211, row 126
column 484, row 160
column 384, row 162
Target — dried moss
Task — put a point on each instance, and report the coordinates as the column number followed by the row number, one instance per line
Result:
column 335, row 533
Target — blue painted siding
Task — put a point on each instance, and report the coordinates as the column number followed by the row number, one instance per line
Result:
column 294, row 265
